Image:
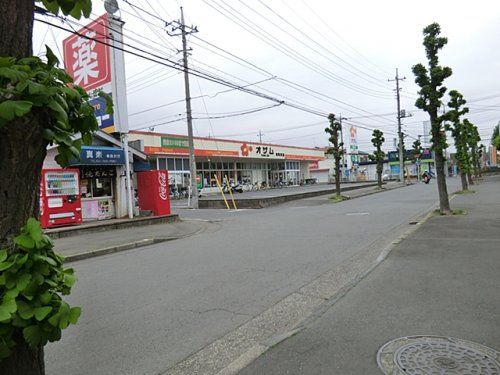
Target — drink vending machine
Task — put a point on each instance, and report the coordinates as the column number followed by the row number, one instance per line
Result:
column 153, row 191
column 60, row 202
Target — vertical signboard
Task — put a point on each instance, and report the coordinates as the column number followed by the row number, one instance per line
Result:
column 88, row 62
column 86, row 59
column 353, row 142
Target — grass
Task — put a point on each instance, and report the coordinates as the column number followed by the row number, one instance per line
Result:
column 464, row 192
column 338, row 198
column 456, row 211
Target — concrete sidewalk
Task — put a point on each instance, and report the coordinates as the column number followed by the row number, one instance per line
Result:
column 88, row 245
column 443, row 280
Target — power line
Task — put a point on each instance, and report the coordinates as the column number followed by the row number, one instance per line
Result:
column 176, row 66
column 260, row 69
column 245, row 23
column 324, row 48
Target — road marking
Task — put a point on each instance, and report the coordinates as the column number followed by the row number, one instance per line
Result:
column 357, row 213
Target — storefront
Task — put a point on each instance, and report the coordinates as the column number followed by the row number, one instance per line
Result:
column 101, row 168
column 246, row 163
column 98, row 180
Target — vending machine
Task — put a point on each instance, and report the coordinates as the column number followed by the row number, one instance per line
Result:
column 153, row 192
column 60, row 198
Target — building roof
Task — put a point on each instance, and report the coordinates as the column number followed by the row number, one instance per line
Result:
column 220, row 139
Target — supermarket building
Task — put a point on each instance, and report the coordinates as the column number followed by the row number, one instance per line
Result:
column 244, row 162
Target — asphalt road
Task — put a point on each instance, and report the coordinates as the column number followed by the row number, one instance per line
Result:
column 443, row 280
column 145, row 310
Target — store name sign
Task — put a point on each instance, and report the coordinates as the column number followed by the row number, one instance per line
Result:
column 174, row 142
column 86, row 55
column 261, row 151
column 92, row 155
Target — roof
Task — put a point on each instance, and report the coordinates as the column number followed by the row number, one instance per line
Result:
column 110, row 139
column 221, row 140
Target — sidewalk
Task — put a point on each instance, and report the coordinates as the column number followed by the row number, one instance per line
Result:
column 88, row 245
column 443, row 280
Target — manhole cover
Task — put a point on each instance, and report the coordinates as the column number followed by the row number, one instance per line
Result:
column 434, row 355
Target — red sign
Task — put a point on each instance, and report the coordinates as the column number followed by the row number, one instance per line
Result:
column 314, row 165
column 87, row 60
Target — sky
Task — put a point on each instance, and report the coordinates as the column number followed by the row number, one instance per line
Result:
column 322, row 56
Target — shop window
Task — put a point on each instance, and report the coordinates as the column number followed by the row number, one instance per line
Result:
column 86, row 187
column 178, row 164
column 153, row 164
column 199, row 166
column 162, row 163
column 206, row 166
column 170, row 164
column 102, row 187
column 185, row 164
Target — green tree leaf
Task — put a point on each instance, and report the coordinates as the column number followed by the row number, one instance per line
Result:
column 74, row 314
column 42, row 312
column 25, row 310
column 23, row 281
column 33, row 335
column 3, row 255
column 24, row 241
column 7, row 308
column 52, row 60
column 6, row 265
column 60, row 113
column 11, row 109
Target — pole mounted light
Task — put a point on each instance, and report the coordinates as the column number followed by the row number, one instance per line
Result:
column 111, row 6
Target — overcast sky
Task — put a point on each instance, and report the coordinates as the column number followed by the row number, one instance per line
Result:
column 344, row 51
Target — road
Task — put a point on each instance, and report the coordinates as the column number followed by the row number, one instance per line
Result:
column 146, row 310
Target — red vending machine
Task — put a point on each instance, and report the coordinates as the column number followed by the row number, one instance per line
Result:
column 153, row 192
column 60, row 198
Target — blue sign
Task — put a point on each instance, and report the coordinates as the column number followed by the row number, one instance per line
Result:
column 100, row 155
column 104, row 119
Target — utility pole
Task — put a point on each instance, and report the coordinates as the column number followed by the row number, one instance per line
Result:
column 342, row 141
column 260, row 136
column 400, row 133
column 176, row 25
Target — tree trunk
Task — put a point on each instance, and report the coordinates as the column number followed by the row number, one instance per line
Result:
column 337, row 177
column 24, row 360
column 444, row 203
column 463, row 177
column 22, row 151
column 469, row 177
column 16, row 28
column 379, row 175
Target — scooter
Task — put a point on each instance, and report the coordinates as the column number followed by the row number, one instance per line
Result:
column 426, row 177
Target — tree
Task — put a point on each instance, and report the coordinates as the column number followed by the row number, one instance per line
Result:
column 337, row 148
column 378, row 155
column 495, row 137
column 430, row 80
column 496, row 142
column 460, row 132
column 496, row 132
column 417, row 151
column 473, row 139
column 37, row 108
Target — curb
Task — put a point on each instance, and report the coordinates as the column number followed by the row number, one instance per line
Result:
column 375, row 192
column 126, row 246
column 102, row 226
column 263, row 202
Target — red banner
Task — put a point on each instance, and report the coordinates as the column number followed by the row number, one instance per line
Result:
column 87, row 60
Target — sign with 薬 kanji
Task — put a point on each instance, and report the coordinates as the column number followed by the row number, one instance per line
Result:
column 85, row 58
